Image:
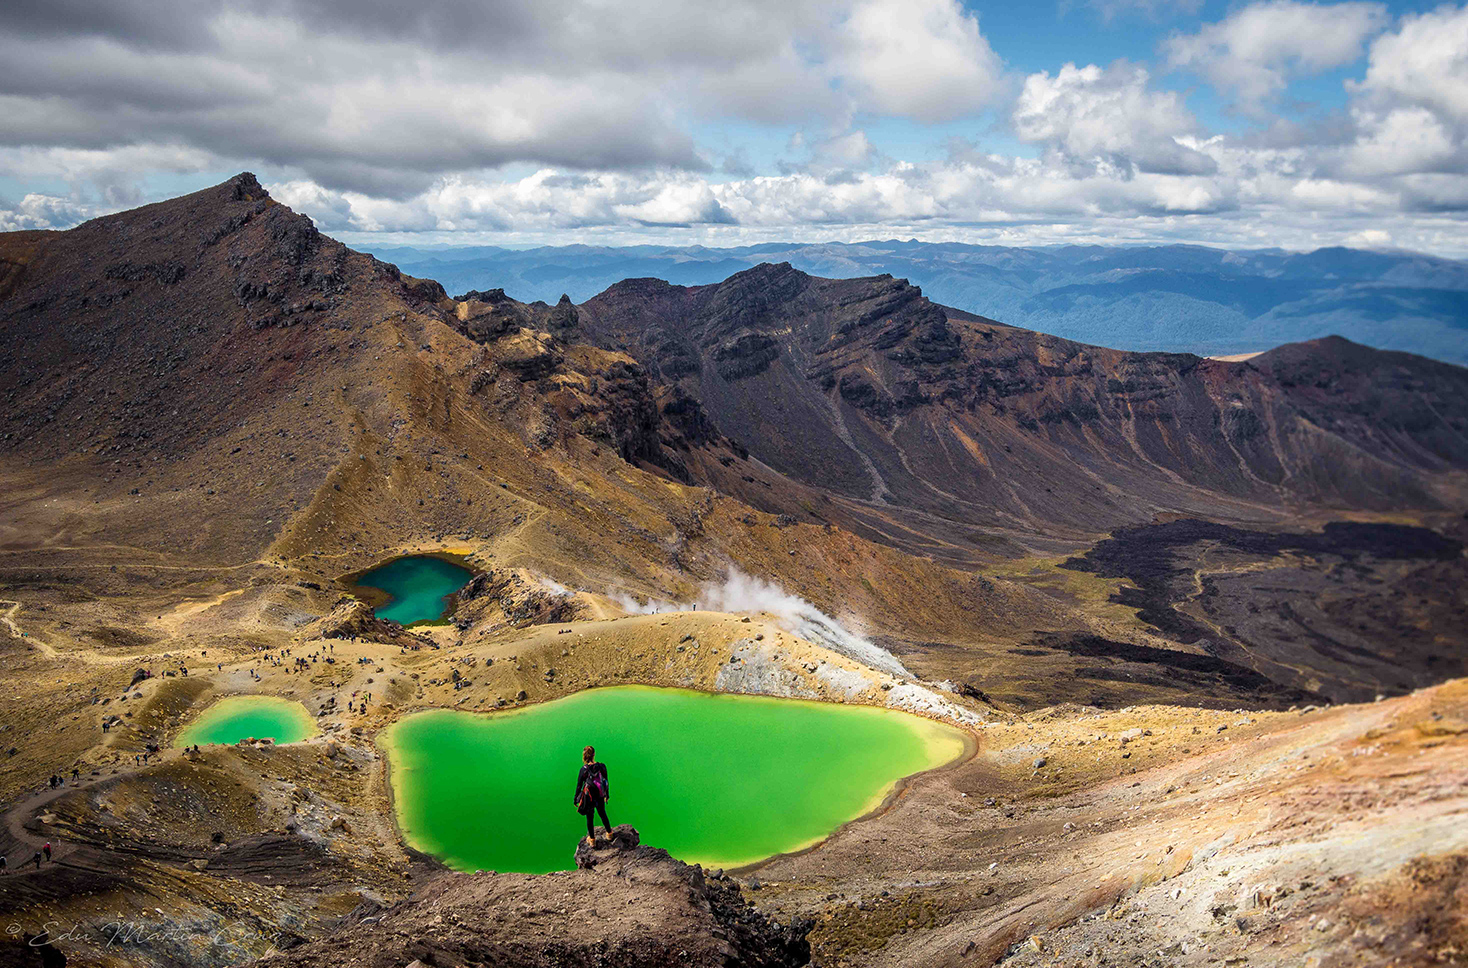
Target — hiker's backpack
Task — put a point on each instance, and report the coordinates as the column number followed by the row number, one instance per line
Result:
column 597, row 782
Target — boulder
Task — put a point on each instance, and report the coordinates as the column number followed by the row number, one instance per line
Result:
column 624, row 838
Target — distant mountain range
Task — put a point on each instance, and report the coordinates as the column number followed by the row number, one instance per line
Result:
column 1177, row 298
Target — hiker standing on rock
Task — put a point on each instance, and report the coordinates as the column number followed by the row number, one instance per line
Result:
column 593, row 790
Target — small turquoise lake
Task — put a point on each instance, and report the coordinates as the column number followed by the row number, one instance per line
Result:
column 419, row 588
column 249, row 717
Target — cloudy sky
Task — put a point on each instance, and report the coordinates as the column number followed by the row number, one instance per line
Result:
column 1277, row 123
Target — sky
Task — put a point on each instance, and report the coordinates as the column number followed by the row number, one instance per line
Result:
column 1248, row 125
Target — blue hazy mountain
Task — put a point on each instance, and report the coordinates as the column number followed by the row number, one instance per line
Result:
column 1182, row 298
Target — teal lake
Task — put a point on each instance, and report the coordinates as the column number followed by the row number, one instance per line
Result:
column 418, row 587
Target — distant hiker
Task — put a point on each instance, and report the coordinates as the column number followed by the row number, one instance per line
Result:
column 4, row 865
column 37, row 860
column 76, row 774
column 47, row 850
column 593, row 790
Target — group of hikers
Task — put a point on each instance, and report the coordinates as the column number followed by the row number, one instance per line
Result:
column 278, row 657
column 59, row 779
column 41, row 856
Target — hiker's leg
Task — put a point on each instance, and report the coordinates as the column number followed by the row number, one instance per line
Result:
column 601, row 808
column 590, row 827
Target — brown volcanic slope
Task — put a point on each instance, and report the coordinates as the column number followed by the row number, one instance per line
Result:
column 207, row 365
column 954, row 436
column 206, row 395
column 864, row 387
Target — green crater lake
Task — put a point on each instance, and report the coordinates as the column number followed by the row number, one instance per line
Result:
column 244, row 717
column 418, row 587
column 719, row 780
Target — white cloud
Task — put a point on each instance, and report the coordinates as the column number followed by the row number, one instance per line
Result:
column 1401, row 141
column 40, row 211
column 1255, row 198
column 1264, row 187
column 846, row 150
column 924, row 59
column 1370, row 239
column 1255, row 51
column 1089, row 113
column 386, row 98
column 1411, row 110
column 534, row 119
column 1425, row 62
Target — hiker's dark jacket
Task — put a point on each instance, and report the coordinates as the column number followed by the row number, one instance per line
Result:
column 584, row 777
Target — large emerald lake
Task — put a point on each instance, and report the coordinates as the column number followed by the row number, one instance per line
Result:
column 715, row 779
column 249, row 717
column 418, row 587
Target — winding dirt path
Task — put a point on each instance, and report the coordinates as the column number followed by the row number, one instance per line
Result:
column 9, row 618
column 85, row 656
column 14, row 819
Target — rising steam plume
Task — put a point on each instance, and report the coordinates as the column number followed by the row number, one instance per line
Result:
column 740, row 592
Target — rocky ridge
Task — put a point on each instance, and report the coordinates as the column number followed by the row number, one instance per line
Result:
column 625, row 906
column 870, row 390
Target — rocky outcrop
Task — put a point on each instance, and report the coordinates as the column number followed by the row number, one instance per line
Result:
column 563, row 318
column 607, row 397
column 490, row 315
column 351, row 618
column 745, row 354
column 751, row 937
column 625, row 906
column 501, row 596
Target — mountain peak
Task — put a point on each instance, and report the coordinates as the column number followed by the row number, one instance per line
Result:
column 245, row 187
column 766, row 273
